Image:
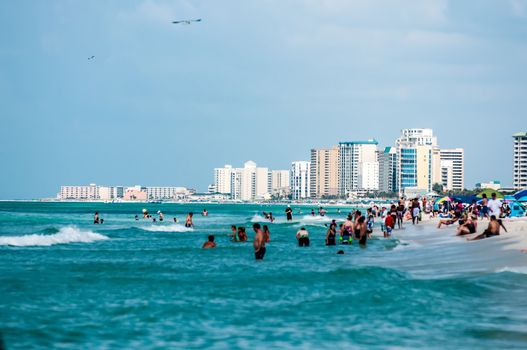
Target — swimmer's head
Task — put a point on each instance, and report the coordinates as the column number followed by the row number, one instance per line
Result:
column 211, row 238
column 340, row 252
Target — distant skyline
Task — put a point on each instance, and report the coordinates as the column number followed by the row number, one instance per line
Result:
column 163, row 104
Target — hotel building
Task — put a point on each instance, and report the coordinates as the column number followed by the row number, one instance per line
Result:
column 358, row 166
column 300, row 180
column 452, row 169
column 388, row 169
column 519, row 170
column 279, row 183
column 324, row 175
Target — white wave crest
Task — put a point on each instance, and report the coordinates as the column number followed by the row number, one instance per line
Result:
column 167, row 228
column 518, row 269
column 69, row 234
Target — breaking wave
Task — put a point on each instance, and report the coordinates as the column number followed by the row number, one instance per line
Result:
column 69, row 234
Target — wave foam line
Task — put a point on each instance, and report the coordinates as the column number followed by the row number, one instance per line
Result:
column 167, row 228
column 69, row 234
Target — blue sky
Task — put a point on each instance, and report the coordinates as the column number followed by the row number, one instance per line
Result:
column 163, row 104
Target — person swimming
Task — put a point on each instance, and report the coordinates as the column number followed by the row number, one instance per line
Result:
column 209, row 243
column 303, row 237
column 161, row 216
column 188, row 222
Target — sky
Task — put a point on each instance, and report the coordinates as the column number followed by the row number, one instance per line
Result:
column 164, row 104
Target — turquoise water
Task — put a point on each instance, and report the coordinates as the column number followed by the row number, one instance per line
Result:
column 66, row 283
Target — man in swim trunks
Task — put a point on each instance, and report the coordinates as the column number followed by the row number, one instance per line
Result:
column 484, row 207
column 303, row 237
column 259, row 242
column 491, row 231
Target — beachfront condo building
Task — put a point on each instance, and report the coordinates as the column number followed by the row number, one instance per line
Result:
column 324, row 172
column 418, row 161
column 222, row 179
column 278, row 183
column 89, row 192
column 111, row 192
column 388, row 169
column 519, row 171
column 250, row 182
column 300, row 180
column 452, row 169
column 166, row 193
column 358, row 167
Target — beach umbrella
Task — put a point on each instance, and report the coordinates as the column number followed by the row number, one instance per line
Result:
column 444, row 199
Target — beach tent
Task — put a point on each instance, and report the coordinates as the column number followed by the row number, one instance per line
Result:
column 489, row 192
column 521, row 196
column 509, row 199
column 465, row 199
column 517, row 209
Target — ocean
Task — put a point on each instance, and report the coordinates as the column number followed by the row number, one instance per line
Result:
column 66, row 283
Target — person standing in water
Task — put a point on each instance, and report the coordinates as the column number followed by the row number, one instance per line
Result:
column 360, row 229
column 210, row 243
column 267, row 233
column 289, row 213
column 161, row 217
column 303, row 237
column 259, row 242
column 233, row 235
column 331, row 235
column 205, row 212
column 96, row 219
column 188, row 221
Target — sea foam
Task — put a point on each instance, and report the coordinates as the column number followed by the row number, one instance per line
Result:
column 68, row 234
column 167, row 228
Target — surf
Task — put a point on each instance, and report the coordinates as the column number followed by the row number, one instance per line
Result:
column 64, row 235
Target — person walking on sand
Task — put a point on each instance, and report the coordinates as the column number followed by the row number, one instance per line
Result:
column 259, row 242
column 484, row 206
column 495, row 205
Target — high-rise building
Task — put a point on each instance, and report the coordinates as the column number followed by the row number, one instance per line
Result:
column 222, row 179
column 300, row 180
column 388, row 169
column 279, row 183
column 454, row 161
column 248, row 183
column 519, row 170
column 324, row 172
column 353, row 174
column 418, row 162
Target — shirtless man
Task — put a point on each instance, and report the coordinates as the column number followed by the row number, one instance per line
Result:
column 491, row 231
column 259, row 242
column 210, row 243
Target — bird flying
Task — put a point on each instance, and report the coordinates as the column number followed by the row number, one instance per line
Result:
column 187, row 21
column 91, row 57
